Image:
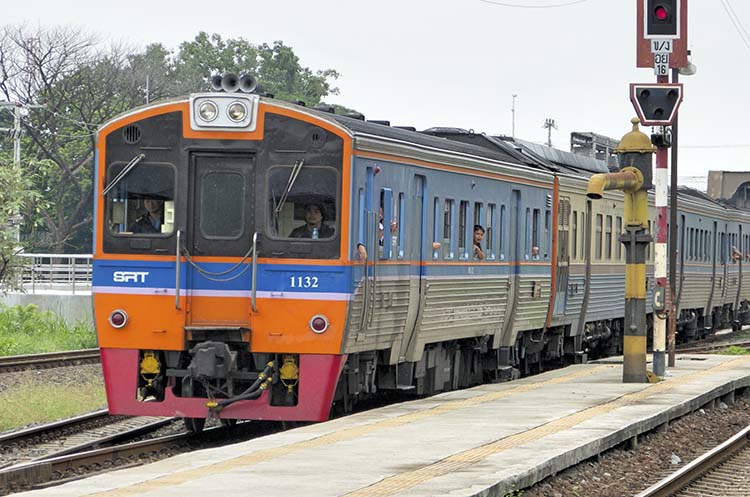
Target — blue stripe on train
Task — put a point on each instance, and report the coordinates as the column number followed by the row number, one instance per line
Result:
column 278, row 277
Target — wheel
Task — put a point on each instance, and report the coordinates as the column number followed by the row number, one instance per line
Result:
column 194, row 425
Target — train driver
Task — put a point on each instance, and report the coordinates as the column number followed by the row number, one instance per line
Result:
column 478, row 237
column 151, row 220
column 314, row 226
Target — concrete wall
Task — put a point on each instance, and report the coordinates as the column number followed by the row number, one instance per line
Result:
column 72, row 308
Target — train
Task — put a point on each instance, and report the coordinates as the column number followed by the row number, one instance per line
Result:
column 256, row 259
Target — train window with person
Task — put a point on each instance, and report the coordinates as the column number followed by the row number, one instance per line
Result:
column 302, row 202
column 478, row 251
column 140, row 200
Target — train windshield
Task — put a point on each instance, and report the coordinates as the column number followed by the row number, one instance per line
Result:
column 142, row 202
column 302, row 202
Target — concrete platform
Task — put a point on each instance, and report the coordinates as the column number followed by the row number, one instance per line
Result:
column 483, row 441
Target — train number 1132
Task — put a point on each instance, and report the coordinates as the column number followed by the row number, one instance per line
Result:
column 303, row 281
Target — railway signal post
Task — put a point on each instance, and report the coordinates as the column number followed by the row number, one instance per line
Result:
column 634, row 178
column 662, row 44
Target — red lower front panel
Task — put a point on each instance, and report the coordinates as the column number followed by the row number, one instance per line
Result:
column 318, row 375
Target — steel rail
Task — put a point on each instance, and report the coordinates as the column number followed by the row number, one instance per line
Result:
column 43, row 472
column 699, row 467
column 71, row 356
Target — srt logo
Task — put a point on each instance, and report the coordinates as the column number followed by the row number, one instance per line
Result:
column 129, row 276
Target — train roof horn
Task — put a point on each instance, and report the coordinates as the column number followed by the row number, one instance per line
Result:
column 231, row 83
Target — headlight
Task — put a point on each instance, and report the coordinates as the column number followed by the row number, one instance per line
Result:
column 237, row 111
column 224, row 112
column 208, row 111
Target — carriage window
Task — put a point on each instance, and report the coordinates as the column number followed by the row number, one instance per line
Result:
column 463, row 208
column 617, row 234
column 608, row 238
column 142, row 202
column 491, row 229
column 599, row 236
column 448, row 219
column 302, row 202
column 535, row 235
column 222, row 201
column 501, row 241
column 436, row 238
column 574, row 238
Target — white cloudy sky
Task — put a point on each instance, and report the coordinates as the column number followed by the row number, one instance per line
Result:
column 457, row 62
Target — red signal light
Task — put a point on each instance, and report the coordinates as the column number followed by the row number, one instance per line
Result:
column 661, row 13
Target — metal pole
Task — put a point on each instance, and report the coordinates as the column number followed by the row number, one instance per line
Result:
column 673, row 237
column 513, row 117
column 660, row 254
column 17, row 135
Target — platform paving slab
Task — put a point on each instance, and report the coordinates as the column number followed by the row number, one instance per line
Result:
column 483, row 441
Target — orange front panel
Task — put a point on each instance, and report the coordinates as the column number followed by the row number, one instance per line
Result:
column 282, row 325
column 153, row 322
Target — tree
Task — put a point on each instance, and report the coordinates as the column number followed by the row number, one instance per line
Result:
column 17, row 200
column 83, row 86
column 276, row 67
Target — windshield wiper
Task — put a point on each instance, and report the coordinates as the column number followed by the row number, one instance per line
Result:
column 133, row 162
column 289, row 184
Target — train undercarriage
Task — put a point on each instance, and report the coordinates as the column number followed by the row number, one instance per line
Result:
column 222, row 370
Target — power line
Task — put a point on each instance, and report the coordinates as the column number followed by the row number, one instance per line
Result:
column 738, row 145
column 736, row 22
column 548, row 6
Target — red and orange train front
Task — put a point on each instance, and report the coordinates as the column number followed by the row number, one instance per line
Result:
column 221, row 275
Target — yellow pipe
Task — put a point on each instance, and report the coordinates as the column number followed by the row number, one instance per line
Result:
column 629, row 179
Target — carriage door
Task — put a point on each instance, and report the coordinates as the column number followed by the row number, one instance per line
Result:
column 563, row 258
column 515, row 236
column 222, row 226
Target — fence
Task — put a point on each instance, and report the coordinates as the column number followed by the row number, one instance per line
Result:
column 68, row 273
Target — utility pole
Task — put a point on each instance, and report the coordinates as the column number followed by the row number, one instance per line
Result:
column 16, row 218
column 17, row 106
column 549, row 123
column 513, row 116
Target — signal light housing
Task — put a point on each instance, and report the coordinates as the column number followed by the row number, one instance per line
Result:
column 656, row 104
column 662, row 18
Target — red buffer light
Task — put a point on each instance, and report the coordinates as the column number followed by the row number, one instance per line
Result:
column 319, row 323
column 118, row 318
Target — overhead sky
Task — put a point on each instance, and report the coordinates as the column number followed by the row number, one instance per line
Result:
column 457, row 63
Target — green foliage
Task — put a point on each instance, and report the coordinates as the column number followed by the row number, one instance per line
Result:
column 82, row 85
column 736, row 350
column 27, row 330
column 17, row 200
column 276, row 67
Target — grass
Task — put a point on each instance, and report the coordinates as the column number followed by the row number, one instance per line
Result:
column 42, row 396
column 735, row 350
column 28, row 330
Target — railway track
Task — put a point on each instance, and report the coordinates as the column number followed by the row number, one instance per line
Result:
column 721, row 472
column 712, row 347
column 77, row 434
column 59, row 469
column 48, row 360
